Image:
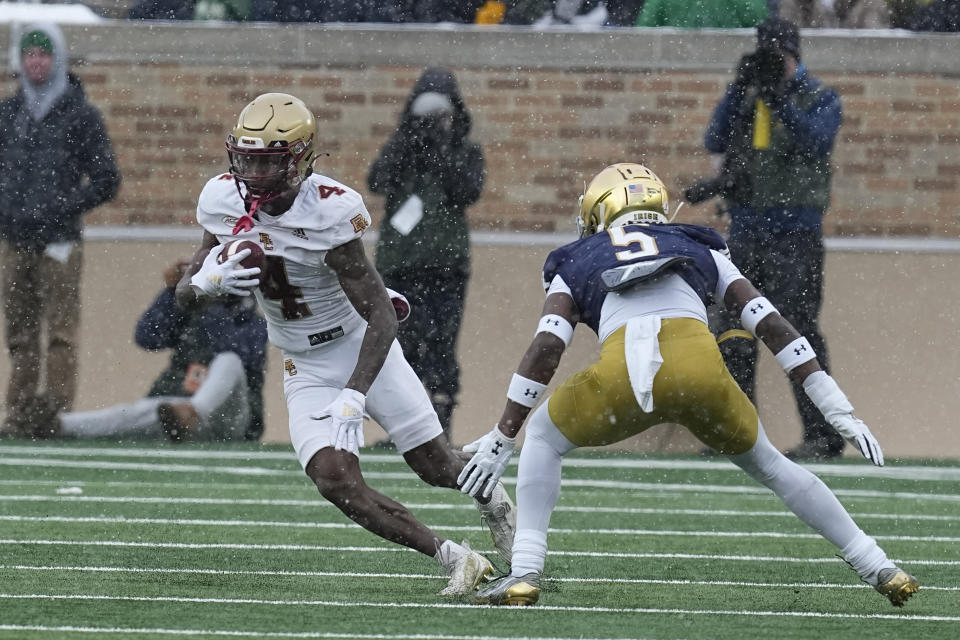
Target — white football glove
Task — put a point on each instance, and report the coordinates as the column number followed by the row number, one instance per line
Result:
column 346, row 411
column 833, row 404
column 217, row 280
column 491, row 453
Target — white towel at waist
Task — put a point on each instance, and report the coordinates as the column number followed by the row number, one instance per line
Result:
column 642, row 351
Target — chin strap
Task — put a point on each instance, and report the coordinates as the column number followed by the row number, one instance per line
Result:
column 246, row 222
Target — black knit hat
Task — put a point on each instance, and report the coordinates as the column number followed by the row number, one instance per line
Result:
column 779, row 34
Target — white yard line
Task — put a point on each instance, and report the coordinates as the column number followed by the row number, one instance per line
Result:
column 232, row 633
column 529, row 610
column 568, row 483
column 423, row 576
column 441, row 506
column 199, row 522
column 902, row 472
column 240, row 546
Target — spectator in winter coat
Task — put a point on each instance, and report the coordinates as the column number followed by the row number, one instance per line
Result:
column 430, row 172
column 57, row 164
column 212, row 389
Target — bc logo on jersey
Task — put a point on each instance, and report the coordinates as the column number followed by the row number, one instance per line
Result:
column 359, row 222
column 266, row 241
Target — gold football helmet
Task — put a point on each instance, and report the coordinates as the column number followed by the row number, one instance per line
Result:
column 272, row 148
column 624, row 193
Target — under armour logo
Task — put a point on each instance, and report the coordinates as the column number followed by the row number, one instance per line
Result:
column 800, row 349
column 496, row 448
column 531, row 393
column 555, row 323
column 755, row 309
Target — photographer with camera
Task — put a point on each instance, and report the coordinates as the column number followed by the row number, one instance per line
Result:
column 775, row 126
column 430, row 172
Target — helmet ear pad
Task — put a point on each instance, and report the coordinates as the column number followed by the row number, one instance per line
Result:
column 622, row 189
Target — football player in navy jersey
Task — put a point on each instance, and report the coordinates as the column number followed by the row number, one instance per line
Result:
column 643, row 286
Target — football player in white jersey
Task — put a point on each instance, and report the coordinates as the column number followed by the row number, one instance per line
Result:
column 329, row 313
column 643, row 285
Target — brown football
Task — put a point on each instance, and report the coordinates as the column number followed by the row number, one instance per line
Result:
column 255, row 259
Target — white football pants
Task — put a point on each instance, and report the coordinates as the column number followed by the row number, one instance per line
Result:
column 221, row 403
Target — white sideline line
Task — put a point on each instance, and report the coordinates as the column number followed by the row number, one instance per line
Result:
column 422, row 576
column 175, row 233
column 440, row 506
column 138, row 466
column 442, row 527
column 279, row 634
column 903, row 472
column 239, row 546
column 568, row 483
column 418, row 605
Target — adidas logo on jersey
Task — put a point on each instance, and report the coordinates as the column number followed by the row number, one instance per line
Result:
column 300, row 233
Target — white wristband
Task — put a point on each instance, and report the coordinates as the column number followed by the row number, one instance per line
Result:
column 795, row 354
column 525, row 391
column 755, row 311
column 557, row 325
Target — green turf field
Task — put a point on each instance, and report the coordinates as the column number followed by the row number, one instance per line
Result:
column 159, row 542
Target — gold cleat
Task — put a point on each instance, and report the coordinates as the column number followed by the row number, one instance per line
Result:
column 511, row 591
column 897, row 585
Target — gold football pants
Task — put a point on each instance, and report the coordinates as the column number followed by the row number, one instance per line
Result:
column 693, row 387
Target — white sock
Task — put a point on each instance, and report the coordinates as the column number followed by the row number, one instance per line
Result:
column 538, row 489
column 810, row 499
column 867, row 558
column 529, row 552
column 448, row 553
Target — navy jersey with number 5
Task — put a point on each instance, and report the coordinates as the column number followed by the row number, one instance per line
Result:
column 581, row 264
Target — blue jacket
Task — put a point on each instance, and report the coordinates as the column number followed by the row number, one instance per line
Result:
column 196, row 336
column 812, row 130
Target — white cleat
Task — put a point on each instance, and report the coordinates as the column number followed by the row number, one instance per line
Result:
column 466, row 568
column 500, row 517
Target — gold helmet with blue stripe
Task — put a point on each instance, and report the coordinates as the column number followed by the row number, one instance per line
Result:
column 623, row 193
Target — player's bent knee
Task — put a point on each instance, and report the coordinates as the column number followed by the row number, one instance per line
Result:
column 435, row 463
column 336, row 475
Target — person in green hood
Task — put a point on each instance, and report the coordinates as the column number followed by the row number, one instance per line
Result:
column 430, row 172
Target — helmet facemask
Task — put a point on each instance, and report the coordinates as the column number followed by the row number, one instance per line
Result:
column 266, row 172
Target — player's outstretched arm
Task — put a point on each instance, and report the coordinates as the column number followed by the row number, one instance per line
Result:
column 798, row 359
column 492, row 452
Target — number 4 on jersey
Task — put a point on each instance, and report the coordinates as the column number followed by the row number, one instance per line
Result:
column 326, row 191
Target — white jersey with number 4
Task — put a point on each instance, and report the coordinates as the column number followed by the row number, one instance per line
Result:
column 300, row 295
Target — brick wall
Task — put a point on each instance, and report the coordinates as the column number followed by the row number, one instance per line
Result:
column 545, row 127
